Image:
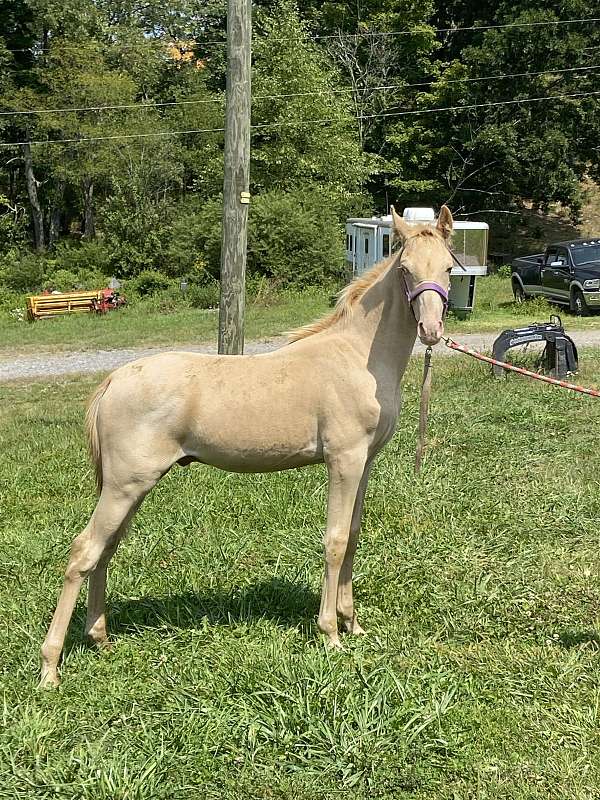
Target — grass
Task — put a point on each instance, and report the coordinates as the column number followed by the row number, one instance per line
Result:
column 146, row 325
column 478, row 583
column 496, row 310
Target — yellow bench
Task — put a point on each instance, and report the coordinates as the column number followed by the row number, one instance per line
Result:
column 51, row 305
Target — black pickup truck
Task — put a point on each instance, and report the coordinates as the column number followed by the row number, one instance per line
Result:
column 568, row 273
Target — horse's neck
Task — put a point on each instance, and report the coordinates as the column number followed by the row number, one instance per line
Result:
column 383, row 326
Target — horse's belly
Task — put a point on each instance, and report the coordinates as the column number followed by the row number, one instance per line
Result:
column 252, row 458
column 255, row 442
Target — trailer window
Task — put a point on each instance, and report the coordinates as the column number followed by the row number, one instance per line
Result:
column 366, row 245
column 386, row 244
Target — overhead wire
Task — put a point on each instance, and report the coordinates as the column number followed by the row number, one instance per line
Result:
column 341, row 34
column 263, row 126
column 345, row 90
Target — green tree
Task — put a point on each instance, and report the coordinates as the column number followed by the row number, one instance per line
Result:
column 304, row 128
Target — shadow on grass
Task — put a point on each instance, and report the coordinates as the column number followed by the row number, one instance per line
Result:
column 568, row 639
column 286, row 603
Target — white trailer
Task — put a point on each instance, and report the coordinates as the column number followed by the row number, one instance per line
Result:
column 368, row 240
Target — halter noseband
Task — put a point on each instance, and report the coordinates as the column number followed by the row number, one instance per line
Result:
column 427, row 286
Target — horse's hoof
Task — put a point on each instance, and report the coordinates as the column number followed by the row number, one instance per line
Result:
column 334, row 644
column 356, row 630
column 49, row 679
column 352, row 626
column 102, row 643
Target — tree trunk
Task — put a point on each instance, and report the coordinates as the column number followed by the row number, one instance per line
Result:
column 89, row 223
column 55, row 214
column 37, row 215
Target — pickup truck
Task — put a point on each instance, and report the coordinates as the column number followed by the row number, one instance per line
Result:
column 567, row 273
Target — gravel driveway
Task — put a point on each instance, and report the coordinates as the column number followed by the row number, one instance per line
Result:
column 50, row 365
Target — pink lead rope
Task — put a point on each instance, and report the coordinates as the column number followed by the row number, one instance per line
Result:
column 564, row 384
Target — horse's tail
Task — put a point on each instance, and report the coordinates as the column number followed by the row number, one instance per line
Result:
column 91, row 427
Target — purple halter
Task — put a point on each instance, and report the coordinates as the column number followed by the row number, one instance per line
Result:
column 426, row 286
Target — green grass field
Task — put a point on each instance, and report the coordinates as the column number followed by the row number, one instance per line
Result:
column 146, row 325
column 478, row 583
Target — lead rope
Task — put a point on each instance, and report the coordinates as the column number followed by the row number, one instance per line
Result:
column 424, row 409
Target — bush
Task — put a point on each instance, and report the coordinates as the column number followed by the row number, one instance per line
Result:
column 11, row 303
column 536, row 307
column 85, row 258
column 149, row 282
column 25, row 273
column 295, row 239
column 504, row 271
column 162, row 301
column 135, row 232
column 204, row 296
column 194, row 246
column 62, row 279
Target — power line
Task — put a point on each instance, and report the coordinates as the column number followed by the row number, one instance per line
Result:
column 262, row 126
column 340, row 34
column 433, row 110
column 149, row 106
column 460, row 30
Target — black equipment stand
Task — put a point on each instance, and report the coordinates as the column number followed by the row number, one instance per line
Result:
column 559, row 357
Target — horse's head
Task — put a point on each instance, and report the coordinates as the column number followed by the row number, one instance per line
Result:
column 425, row 263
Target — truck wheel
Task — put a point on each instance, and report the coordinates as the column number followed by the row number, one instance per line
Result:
column 519, row 293
column 578, row 305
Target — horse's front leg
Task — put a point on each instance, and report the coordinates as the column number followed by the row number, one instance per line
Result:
column 345, row 473
column 345, row 599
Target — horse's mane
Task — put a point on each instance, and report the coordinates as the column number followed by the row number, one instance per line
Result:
column 350, row 295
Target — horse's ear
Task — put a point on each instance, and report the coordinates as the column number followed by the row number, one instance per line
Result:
column 400, row 228
column 445, row 222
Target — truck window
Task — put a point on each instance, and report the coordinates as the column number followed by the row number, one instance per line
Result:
column 562, row 255
column 586, row 255
column 550, row 256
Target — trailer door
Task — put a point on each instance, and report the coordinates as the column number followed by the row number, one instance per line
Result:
column 365, row 249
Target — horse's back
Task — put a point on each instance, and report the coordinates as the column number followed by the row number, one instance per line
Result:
column 252, row 413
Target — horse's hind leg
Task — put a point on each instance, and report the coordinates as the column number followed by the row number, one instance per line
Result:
column 95, row 625
column 345, row 599
column 97, row 539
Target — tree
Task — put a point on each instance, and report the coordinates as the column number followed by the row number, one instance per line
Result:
column 304, row 130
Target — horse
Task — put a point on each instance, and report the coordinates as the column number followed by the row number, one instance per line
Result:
column 331, row 394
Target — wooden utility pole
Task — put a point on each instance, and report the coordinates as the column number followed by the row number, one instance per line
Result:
column 236, row 179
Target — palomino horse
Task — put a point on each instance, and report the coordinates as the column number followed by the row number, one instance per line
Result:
column 332, row 395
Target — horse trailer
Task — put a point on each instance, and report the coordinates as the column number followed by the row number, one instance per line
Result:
column 368, row 240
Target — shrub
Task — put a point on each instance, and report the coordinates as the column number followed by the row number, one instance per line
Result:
column 194, row 245
column 295, row 239
column 61, row 279
column 204, row 295
column 135, row 231
column 25, row 273
column 163, row 301
column 9, row 301
column 149, row 282
column 89, row 258
column 504, row 271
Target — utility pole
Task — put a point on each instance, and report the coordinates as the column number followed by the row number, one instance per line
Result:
column 236, row 180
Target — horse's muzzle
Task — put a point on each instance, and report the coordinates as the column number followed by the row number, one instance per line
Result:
column 430, row 334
